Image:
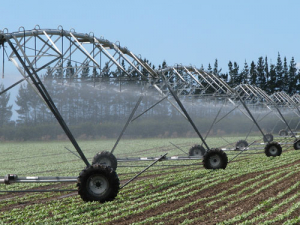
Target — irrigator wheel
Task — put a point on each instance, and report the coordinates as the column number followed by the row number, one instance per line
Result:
column 273, row 149
column 105, row 158
column 197, row 150
column 98, row 183
column 268, row 138
column 215, row 158
column 297, row 144
column 241, row 144
column 283, row 132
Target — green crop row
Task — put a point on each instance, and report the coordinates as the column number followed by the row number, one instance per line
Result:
column 161, row 185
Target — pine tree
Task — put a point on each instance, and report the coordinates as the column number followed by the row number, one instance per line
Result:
column 235, row 74
column 272, row 80
column 209, row 68
column 285, row 76
column 45, row 114
column 267, row 75
column 202, row 67
column 34, row 102
column 230, row 72
column 253, row 74
column 105, row 72
column 216, row 70
column 5, row 109
column 85, row 73
column 292, row 79
column 279, row 74
column 260, row 68
column 224, row 77
column 70, row 71
column 48, row 75
column 21, row 101
column 59, row 74
column 95, row 74
column 244, row 75
column 297, row 82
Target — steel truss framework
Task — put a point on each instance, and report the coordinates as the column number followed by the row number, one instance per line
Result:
column 285, row 101
column 204, row 84
column 34, row 51
column 258, row 96
column 211, row 85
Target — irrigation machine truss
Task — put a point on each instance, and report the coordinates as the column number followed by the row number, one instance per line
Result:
column 34, row 51
column 205, row 86
column 272, row 104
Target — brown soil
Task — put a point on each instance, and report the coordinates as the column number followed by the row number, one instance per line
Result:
column 207, row 214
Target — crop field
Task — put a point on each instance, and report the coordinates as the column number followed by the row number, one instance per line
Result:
column 253, row 189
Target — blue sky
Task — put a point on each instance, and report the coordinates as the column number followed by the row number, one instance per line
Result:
column 190, row 32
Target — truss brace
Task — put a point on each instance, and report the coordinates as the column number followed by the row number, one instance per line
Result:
column 42, row 90
column 188, row 116
column 159, row 159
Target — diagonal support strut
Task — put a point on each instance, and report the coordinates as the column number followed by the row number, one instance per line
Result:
column 45, row 95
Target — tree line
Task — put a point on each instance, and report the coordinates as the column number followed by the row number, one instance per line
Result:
column 282, row 76
column 88, row 103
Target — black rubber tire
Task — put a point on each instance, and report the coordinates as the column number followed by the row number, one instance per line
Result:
column 268, row 138
column 98, row 183
column 106, row 158
column 197, row 150
column 283, row 132
column 241, row 144
column 215, row 158
column 273, row 149
column 297, row 144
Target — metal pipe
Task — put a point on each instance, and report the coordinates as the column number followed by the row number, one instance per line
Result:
column 143, row 170
column 42, row 90
column 10, row 87
column 127, row 123
column 179, row 148
column 9, row 179
column 252, row 117
column 149, row 108
column 188, row 116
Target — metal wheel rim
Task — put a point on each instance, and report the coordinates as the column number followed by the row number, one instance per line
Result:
column 268, row 137
column 241, row 145
column 197, row 152
column 215, row 161
column 298, row 144
column 273, row 150
column 283, row 133
column 97, row 185
column 105, row 161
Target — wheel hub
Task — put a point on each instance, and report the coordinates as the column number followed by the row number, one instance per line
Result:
column 97, row 184
column 215, row 161
column 273, row 150
column 241, row 145
column 197, row 152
